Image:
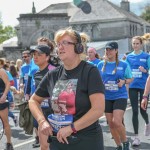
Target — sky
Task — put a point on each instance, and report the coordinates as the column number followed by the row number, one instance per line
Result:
column 10, row 9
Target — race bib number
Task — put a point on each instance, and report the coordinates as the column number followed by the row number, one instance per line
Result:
column 136, row 73
column 59, row 121
column 111, row 86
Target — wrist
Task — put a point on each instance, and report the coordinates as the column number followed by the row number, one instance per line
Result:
column 145, row 97
column 73, row 128
column 40, row 121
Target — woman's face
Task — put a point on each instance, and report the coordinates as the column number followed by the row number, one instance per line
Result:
column 66, row 47
column 136, row 44
column 110, row 54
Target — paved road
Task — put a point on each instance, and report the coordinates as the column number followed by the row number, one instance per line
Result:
column 24, row 142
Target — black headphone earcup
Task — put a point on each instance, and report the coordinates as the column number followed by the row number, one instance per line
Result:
column 79, row 48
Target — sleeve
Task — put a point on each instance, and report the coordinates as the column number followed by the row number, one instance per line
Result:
column 148, row 63
column 42, row 88
column 28, row 88
column 95, row 84
column 128, row 72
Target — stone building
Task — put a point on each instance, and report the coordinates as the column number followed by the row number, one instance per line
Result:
column 105, row 22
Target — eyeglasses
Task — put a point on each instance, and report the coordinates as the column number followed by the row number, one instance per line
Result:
column 64, row 43
column 24, row 57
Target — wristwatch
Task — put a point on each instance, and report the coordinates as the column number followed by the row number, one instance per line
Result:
column 73, row 128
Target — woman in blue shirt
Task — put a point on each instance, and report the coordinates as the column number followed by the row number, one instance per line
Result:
column 139, row 62
column 115, row 74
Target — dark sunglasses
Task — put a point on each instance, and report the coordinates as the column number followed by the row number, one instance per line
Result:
column 25, row 56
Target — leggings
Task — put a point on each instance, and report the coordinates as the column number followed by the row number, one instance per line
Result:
column 133, row 94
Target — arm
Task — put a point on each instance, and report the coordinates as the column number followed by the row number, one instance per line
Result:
column 4, row 77
column 96, row 111
column 145, row 96
column 34, row 106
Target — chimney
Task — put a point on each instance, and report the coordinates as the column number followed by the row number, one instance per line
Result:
column 125, row 4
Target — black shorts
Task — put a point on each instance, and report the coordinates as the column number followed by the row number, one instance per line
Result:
column 111, row 105
column 4, row 105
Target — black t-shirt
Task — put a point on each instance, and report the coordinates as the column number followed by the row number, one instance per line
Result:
column 38, row 76
column 83, row 81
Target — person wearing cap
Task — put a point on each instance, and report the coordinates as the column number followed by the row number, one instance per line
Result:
column 115, row 74
column 139, row 62
column 77, row 129
column 93, row 57
column 41, row 57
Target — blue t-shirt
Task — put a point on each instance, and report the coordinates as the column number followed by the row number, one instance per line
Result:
column 32, row 70
column 135, row 61
column 110, row 79
column 94, row 62
column 24, row 74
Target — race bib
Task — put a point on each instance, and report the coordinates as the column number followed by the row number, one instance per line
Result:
column 111, row 86
column 136, row 73
column 59, row 121
column 45, row 103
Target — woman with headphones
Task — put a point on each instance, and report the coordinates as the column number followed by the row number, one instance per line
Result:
column 4, row 88
column 79, row 128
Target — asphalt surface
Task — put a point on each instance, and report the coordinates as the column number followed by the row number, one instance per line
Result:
column 21, row 141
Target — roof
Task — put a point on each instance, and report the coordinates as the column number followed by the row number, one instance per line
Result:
column 56, row 8
column 102, row 11
column 12, row 42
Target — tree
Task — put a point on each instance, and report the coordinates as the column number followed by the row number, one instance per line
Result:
column 146, row 14
column 6, row 32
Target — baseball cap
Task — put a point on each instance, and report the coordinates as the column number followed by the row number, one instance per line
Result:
column 111, row 45
column 41, row 49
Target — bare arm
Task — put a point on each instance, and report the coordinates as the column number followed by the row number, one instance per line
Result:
column 97, row 109
column 4, row 77
column 146, row 92
column 34, row 106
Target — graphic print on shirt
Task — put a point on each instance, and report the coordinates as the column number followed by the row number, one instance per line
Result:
column 63, row 103
column 63, row 99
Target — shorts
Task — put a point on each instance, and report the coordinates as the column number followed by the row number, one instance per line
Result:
column 111, row 105
column 4, row 105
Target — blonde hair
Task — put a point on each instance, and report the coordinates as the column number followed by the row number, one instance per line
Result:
column 72, row 33
column 146, row 37
column 138, row 38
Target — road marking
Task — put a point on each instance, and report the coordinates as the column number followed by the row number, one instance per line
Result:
column 24, row 143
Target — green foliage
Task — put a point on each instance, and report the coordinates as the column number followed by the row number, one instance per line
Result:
column 6, row 33
column 146, row 14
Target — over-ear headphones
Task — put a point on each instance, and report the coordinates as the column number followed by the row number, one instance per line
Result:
column 78, row 46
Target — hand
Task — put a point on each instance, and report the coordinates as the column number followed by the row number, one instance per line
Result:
column 144, row 104
column 3, row 98
column 141, row 68
column 27, row 97
column 63, row 133
column 121, row 83
column 45, row 128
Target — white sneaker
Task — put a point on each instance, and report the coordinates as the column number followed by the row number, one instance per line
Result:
column 136, row 142
column 147, row 130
